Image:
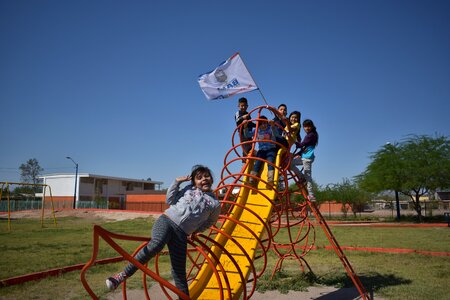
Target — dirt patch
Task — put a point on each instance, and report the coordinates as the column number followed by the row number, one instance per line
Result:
column 91, row 214
column 313, row 292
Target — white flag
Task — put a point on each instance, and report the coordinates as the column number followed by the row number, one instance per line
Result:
column 230, row 78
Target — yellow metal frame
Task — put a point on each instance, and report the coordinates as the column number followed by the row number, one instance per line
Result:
column 7, row 184
column 205, row 285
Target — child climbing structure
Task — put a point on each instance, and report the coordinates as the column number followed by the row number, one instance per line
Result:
column 227, row 262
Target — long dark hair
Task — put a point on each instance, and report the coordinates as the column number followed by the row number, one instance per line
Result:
column 295, row 112
column 200, row 169
column 310, row 123
column 299, row 115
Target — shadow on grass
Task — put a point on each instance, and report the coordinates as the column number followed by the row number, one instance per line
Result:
column 341, row 294
column 285, row 281
column 372, row 283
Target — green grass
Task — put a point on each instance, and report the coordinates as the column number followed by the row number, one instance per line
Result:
column 29, row 248
column 410, row 218
column 426, row 239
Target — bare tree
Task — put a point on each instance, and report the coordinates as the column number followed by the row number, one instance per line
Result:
column 30, row 171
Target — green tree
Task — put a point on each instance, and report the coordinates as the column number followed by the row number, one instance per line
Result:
column 386, row 172
column 349, row 194
column 415, row 167
column 30, row 171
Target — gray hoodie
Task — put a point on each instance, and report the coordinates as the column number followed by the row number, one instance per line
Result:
column 191, row 209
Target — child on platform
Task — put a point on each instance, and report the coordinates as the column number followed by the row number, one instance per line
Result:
column 280, row 123
column 293, row 131
column 192, row 209
column 266, row 149
column 241, row 116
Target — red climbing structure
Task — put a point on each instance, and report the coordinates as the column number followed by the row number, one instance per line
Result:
column 222, row 260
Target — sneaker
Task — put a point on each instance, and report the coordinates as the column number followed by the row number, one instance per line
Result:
column 312, row 198
column 302, row 180
column 113, row 282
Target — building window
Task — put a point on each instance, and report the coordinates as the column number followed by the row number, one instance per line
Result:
column 137, row 184
column 149, row 186
column 98, row 187
column 89, row 180
column 129, row 186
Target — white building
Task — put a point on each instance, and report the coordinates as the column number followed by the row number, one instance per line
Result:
column 92, row 191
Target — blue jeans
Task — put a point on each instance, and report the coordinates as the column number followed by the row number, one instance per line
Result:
column 166, row 232
column 268, row 155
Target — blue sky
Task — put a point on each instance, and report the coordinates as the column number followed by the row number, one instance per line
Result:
column 113, row 84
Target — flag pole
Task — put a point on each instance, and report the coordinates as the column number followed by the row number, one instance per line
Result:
column 264, row 98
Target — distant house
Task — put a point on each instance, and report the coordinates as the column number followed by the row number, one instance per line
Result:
column 443, row 196
column 96, row 191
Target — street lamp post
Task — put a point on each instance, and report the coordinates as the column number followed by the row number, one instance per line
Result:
column 76, row 177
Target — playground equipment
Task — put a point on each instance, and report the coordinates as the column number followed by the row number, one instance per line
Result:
column 5, row 187
column 223, row 261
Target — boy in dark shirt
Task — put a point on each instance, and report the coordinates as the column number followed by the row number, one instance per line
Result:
column 281, row 122
column 241, row 116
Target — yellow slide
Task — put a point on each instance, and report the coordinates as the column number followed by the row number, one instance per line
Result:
column 205, row 284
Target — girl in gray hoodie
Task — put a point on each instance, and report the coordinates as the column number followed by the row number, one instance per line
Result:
column 192, row 209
